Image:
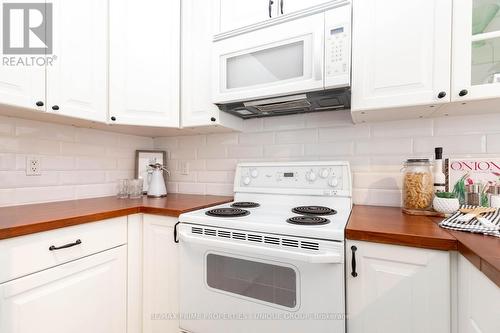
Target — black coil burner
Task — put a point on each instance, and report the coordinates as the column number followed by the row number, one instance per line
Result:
column 308, row 220
column 227, row 212
column 245, row 204
column 314, row 210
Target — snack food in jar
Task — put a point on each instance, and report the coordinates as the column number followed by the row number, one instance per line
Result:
column 418, row 185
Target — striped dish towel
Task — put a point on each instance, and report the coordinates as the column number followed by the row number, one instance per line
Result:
column 473, row 225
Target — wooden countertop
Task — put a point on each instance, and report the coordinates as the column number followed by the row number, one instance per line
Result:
column 27, row 219
column 390, row 225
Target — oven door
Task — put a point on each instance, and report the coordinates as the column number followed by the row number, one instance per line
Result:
column 236, row 281
column 282, row 59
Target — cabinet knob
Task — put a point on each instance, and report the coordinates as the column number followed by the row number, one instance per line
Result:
column 442, row 94
column 463, row 92
column 39, row 103
column 113, row 118
column 213, row 119
column 55, row 107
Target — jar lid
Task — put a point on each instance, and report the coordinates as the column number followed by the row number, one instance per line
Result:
column 417, row 161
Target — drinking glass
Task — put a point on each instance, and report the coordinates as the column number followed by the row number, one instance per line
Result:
column 122, row 188
column 135, row 188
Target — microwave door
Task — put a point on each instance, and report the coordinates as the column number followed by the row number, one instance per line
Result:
column 286, row 58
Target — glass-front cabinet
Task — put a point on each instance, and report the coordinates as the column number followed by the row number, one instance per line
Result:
column 476, row 49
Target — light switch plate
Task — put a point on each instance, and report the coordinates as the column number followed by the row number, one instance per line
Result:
column 184, row 168
column 33, row 166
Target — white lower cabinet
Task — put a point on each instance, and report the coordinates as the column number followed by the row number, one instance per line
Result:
column 160, row 280
column 397, row 289
column 82, row 296
column 478, row 300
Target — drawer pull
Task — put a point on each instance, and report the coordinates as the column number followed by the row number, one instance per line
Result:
column 53, row 248
column 353, row 261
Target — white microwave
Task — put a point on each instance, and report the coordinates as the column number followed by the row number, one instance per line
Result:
column 301, row 55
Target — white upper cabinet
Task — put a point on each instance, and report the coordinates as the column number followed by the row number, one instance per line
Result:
column 290, row 6
column 476, row 49
column 23, row 86
column 144, row 62
column 20, row 85
column 396, row 289
column 240, row 13
column 77, row 80
column 401, row 54
column 236, row 14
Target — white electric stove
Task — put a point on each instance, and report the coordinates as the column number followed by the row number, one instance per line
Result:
column 273, row 260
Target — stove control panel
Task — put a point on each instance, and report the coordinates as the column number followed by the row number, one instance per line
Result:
column 324, row 178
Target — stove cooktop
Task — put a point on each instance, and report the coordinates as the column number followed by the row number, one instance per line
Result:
column 245, row 204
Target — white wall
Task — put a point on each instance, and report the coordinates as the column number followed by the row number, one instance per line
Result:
column 376, row 151
column 76, row 162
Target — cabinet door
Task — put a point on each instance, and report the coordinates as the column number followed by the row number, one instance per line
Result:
column 21, row 84
column 160, row 302
column 476, row 49
column 290, row 6
column 77, row 81
column 144, row 62
column 235, row 14
column 198, row 20
column 82, row 296
column 478, row 300
column 397, row 289
column 401, row 53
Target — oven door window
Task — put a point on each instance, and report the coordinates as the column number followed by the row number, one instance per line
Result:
column 256, row 280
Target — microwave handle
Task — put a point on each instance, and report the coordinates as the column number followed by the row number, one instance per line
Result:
column 271, row 3
column 319, row 54
column 323, row 258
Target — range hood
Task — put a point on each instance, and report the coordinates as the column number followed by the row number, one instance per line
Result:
column 326, row 100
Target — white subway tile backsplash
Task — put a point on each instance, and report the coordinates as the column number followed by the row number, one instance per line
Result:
column 264, row 138
column 328, row 119
column 330, row 149
column 487, row 123
column 344, row 133
column 284, row 122
column 215, row 151
column 223, row 177
column 462, row 144
column 383, row 146
column 191, row 188
column 219, row 189
column 292, row 150
column 7, row 161
column 402, row 128
column 222, row 139
column 253, row 125
column 221, row 164
column 75, row 162
column 493, row 143
column 377, row 180
column 297, row 136
column 244, row 151
column 377, row 197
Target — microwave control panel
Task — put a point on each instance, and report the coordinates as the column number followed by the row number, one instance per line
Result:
column 337, row 49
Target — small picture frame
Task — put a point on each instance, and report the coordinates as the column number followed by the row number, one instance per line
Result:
column 143, row 158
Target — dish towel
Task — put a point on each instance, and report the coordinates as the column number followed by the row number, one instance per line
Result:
column 473, row 225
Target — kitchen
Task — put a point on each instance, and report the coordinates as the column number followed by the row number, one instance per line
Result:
column 281, row 103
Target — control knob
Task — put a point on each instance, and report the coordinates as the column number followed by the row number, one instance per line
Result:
column 310, row 176
column 246, row 180
column 324, row 173
column 254, row 173
column 333, row 182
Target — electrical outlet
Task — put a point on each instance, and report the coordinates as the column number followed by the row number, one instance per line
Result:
column 184, row 166
column 33, row 166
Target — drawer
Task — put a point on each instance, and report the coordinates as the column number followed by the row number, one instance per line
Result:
column 24, row 255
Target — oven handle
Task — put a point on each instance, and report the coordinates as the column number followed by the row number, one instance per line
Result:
column 323, row 258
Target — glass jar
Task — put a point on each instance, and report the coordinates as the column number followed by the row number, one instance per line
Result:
column 418, row 186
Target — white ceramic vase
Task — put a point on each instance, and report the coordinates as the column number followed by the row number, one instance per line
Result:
column 446, row 205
